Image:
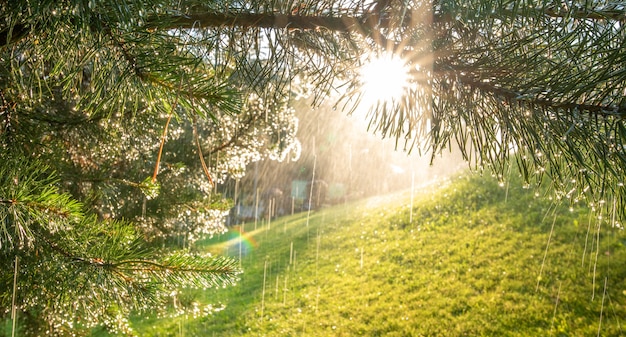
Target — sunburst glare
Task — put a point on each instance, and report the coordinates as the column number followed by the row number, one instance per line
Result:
column 383, row 78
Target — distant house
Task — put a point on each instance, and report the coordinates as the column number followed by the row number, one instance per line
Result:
column 271, row 202
column 246, row 212
column 308, row 195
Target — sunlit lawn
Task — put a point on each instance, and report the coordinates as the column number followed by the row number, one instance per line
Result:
column 477, row 259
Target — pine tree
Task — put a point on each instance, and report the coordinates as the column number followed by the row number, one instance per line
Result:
column 73, row 270
column 109, row 93
column 537, row 83
column 146, row 143
column 540, row 84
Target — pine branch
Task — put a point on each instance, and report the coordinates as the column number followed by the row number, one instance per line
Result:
column 256, row 20
column 581, row 13
column 181, row 265
column 526, row 99
column 130, row 59
column 578, row 11
column 177, row 269
column 205, row 169
column 164, row 135
column 113, row 252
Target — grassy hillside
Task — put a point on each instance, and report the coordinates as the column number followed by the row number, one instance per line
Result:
column 476, row 259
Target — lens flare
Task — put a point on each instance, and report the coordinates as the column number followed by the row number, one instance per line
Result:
column 240, row 241
column 384, row 78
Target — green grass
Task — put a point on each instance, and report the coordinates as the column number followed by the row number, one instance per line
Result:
column 477, row 260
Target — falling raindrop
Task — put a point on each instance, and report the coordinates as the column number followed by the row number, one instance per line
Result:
column 545, row 254
column 269, row 214
column 411, row 203
column 263, row 291
column 256, row 208
column 602, row 306
column 310, row 201
column 317, row 253
column 595, row 264
column 285, row 290
column 556, row 304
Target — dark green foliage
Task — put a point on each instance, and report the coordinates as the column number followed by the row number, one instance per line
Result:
column 75, row 270
column 94, row 58
column 83, row 92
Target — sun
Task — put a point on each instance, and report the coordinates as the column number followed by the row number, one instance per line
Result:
column 384, row 78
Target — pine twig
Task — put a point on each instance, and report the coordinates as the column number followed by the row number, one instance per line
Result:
column 200, row 155
column 164, row 135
